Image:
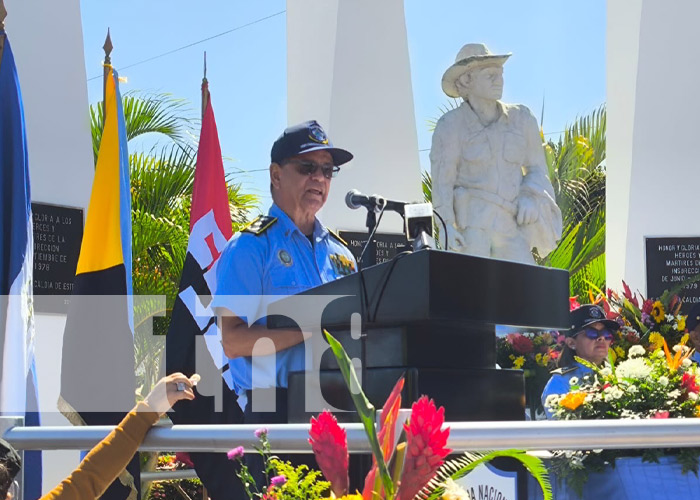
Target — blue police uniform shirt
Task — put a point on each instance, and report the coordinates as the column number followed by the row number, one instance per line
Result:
column 695, row 358
column 559, row 382
column 255, row 270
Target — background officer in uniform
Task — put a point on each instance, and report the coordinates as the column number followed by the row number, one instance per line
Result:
column 589, row 338
column 284, row 253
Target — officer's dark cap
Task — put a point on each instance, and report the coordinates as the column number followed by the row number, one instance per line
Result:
column 304, row 138
column 587, row 315
column 10, row 458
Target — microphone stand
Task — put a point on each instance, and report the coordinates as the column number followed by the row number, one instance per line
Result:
column 370, row 256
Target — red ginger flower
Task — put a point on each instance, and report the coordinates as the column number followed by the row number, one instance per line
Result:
column 330, row 445
column 689, row 383
column 426, row 447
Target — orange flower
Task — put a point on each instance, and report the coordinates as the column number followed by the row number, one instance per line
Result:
column 573, row 400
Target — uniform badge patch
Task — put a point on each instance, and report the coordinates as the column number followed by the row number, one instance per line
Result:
column 285, row 258
column 317, row 134
column 342, row 265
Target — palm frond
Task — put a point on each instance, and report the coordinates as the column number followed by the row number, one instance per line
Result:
column 460, row 467
column 146, row 113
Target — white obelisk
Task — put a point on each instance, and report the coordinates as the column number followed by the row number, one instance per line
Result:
column 653, row 167
column 348, row 68
column 47, row 42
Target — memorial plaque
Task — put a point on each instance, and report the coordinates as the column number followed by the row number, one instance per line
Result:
column 58, row 234
column 670, row 261
column 388, row 244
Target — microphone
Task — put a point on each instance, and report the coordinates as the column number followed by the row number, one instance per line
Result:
column 354, row 200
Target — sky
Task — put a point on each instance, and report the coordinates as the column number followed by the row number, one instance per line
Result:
column 558, row 58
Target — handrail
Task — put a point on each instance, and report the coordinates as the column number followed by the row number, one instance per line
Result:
column 464, row 436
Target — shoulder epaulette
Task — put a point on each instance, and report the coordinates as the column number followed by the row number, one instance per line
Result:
column 259, row 225
column 337, row 237
column 564, row 371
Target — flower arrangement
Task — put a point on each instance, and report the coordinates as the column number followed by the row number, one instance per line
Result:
column 404, row 467
column 536, row 353
column 414, row 467
column 283, row 480
column 661, row 383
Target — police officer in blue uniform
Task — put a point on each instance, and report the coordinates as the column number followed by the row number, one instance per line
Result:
column 286, row 252
column 588, row 338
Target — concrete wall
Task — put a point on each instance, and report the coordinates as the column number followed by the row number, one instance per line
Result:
column 652, row 156
column 47, row 42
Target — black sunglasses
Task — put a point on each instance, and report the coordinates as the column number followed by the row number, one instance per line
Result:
column 310, row 168
column 594, row 334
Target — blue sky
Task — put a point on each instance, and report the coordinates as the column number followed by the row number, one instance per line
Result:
column 558, row 53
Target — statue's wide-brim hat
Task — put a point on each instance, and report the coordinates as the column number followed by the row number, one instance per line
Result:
column 470, row 56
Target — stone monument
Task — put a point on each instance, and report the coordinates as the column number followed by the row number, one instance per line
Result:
column 488, row 168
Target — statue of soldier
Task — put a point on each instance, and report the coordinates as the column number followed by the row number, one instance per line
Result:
column 488, row 168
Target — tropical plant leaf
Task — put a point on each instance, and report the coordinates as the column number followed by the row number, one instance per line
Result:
column 365, row 409
column 460, row 467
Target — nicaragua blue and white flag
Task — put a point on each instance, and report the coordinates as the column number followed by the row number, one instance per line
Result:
column 17, row 368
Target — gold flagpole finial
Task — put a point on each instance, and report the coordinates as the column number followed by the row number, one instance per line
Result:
column 205, row 64
column 205, row 86
column 105, row 73
column 107, row 47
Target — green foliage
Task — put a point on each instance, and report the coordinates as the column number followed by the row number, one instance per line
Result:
column 302, row 482
column 460, row 467
column 365, row 410
column 576, row 165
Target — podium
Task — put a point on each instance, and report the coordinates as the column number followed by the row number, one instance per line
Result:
column 431, row 315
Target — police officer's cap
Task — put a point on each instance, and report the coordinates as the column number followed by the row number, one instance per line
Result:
column 587, row 315
column 10, row 458
column 304, row 138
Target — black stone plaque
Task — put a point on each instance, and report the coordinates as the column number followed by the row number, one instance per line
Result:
column 58, row 234
column 388, row 244
column 670, row 261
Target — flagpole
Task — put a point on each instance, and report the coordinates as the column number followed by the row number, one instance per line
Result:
column 3, row 15
column 106, row 66
column 205, row 86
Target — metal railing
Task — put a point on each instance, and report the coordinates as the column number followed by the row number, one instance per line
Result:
column 464, row 436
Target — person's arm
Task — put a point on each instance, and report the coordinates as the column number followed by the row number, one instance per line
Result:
column 110, row 456
column 239, row 339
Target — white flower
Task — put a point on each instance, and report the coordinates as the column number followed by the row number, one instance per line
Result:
column 632, row 389
column 616, row 393
column 606, row 371
column 686, row 363
column 551, row 400
column 636, row 350
column 660, row 354
column 453, row 490
column 678, row 347
column 663, row 380
column 636, row 368
column 693, row 396
column 669, row 317
column 674, row 393
column 573, row 381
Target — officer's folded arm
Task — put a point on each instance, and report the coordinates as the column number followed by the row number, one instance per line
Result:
column 239, row 339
